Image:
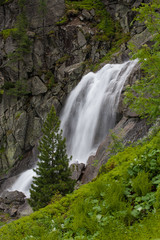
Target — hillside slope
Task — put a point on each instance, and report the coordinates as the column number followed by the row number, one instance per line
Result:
column 123, row 202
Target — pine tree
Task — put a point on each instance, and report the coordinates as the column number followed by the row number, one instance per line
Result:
column 53, row 172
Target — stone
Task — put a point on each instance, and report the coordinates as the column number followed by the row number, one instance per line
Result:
column 24, row 210
column 86, row 14
column 36, row 131
column 81, row 39
column 140, row 39
column 15, row 204
column 77, row 170
column 3, row 207
column 55, row 9
column 13, row 197
column 12, row 212
column 37, row 86
column 92, row 12
column 21, row 126
column 74, row 71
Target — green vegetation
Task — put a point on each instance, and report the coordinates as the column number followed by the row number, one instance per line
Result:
column 105, row 23
column 116, row 144
column 7, row 32
column 53, row 172
column 17, row 58
column 62, row 59
column 62, row 21
column 49, row 77
column 20, row 35
column 122, row 203
column 2, row 2
column 144, row 96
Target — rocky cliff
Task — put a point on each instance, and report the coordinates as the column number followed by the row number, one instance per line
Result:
column 64, row 42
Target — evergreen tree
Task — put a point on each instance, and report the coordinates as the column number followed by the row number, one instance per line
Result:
column 53, row 172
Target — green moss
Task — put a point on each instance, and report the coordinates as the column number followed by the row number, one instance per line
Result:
column 17, row 115
column 7, row 32
column 62, row 21
column 103, row 21
column 62, row 59
column 49, row 77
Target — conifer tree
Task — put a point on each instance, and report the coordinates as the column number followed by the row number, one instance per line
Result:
column 53, row 172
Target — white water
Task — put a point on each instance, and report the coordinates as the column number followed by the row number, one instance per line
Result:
column 90, row 110
column 23, row 183
column 89, row 113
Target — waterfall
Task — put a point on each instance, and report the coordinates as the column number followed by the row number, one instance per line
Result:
column 90, row 110
column 23, row 183
column 89, row 113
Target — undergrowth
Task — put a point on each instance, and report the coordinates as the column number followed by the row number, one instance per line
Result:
column 123, row 202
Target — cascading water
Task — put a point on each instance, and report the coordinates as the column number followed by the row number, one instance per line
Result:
column 90, row 110
column 23, row 183
column 89, row 113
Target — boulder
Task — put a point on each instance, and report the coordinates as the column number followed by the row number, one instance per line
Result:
column 13, row 197
column 24, row 210
column 81, row 39
column 77, row 170
column 37, row 87
column 15, row 204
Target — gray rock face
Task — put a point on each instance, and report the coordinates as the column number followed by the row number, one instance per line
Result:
column 13, row 197
column 128, row 130
column 37, row 87
column 77, row 170
column 57, row 61
column 15, row 204
column 121, row 11
column 52, row 69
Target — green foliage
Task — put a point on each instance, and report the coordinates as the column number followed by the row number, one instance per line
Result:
column 141, row 184
column 62, row 59
column 62, row 21
column 105, row 23
column 122, row 203
column 53, row 173
column 49, row 77
column 116, row 144
column 18, row 89
column 7, row 32
column 144, row 96
column 19, row 34
column 22, row 40
column 42, row 7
